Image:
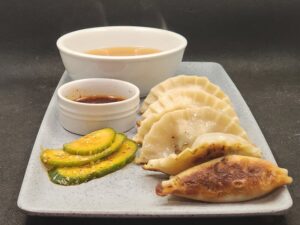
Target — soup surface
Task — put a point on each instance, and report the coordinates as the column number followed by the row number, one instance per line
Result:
column 99, row 99
column 123, row 51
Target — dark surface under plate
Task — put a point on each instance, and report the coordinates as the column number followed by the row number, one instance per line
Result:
column 257, row 42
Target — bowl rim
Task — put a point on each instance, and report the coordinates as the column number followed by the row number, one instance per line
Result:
column 64, row 49
column 128, row 100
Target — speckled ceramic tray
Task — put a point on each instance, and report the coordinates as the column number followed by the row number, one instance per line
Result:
column 129, row 192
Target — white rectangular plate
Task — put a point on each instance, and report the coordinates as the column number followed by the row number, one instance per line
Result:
column 130, row 192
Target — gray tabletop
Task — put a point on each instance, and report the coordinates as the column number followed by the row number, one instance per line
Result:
column 257, row 42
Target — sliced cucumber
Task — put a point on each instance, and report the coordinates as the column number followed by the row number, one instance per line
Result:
column 59, row 158
column 77, row 175
column 92, row 143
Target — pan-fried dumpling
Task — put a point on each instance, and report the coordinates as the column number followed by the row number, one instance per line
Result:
column 180, row 99
column 183, row 82
column 227, row 179
column 206, row 147
column 178, row 130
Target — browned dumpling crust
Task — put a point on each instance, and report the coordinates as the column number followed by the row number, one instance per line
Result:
column 205, row 148
column 231, row 178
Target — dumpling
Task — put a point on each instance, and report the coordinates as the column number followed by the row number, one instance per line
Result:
column 145, row 125
column 227, row 179
column 180, row 99
column 206, row 147
column 178, row 130
column 183, row 82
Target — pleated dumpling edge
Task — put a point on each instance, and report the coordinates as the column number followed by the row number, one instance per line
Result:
column 183, row 82
column 178, row 130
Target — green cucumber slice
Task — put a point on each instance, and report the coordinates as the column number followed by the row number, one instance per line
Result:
column 92, row 143
column 58, row 158
column 77, row 175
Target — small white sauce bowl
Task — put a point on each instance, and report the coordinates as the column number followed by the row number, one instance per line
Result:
column 82, row 118
column 145, row 71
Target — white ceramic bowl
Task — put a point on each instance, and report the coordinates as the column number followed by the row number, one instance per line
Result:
column 145, row 71
column 83, row 118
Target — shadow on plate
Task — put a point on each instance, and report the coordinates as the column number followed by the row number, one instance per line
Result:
column 263, row 220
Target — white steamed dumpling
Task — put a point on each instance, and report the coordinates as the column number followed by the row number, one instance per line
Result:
column 180, row 99
column 183, row 82
column 178, row 130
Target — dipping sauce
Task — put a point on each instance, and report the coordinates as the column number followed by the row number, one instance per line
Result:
column 123, row 51
column 99, row 99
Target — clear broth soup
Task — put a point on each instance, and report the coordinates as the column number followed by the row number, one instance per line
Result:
column 123, row 51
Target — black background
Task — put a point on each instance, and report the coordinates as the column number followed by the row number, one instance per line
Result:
column 257, row 42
